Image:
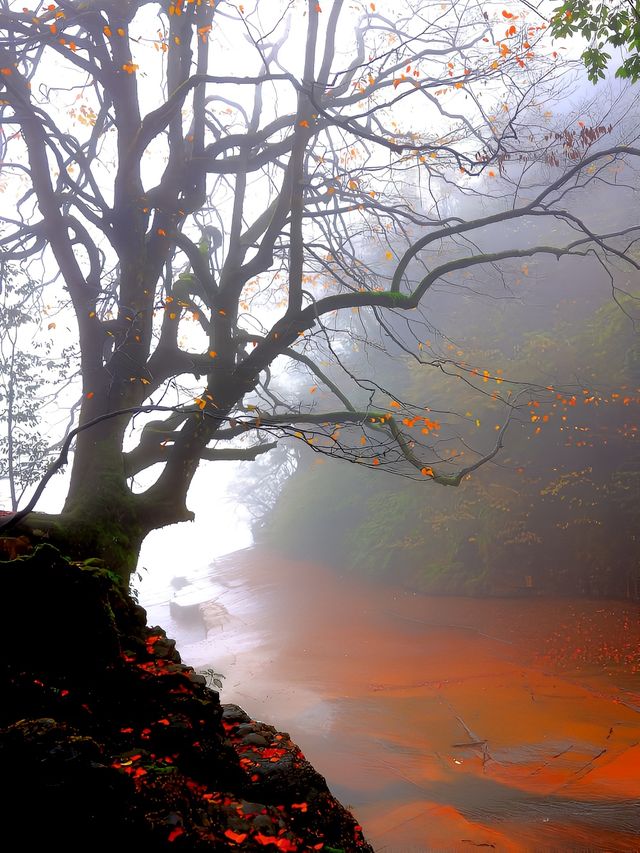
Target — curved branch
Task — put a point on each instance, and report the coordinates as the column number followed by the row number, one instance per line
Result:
column 504, row 216
column 63, row 456
column 140, row 459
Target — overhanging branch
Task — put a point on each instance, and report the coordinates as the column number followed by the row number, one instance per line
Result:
column 63, row 456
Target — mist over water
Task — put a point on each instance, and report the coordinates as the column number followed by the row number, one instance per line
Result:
column 183, row 552
column 443, row 721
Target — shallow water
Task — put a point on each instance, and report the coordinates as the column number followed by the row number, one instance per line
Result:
column 445, row 723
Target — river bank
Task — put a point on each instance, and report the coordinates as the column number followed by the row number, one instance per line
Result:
column 108, row 741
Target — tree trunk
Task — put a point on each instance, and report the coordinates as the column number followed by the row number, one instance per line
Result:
column 100, row 518
column 89, row 532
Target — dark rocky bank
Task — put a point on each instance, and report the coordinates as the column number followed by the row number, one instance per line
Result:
column 107, row 740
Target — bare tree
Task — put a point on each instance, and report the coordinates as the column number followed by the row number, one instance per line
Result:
column 215, row 190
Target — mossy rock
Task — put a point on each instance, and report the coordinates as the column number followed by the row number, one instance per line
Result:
column 61, row 614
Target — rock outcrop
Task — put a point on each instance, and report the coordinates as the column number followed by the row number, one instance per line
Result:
column 108, row 741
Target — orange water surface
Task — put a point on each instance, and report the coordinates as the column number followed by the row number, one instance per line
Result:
column 445, row 723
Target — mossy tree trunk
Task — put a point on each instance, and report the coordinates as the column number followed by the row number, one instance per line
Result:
column 102, row 517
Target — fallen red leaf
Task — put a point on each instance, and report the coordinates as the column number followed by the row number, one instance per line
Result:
column 238, row 837
column 175, row 833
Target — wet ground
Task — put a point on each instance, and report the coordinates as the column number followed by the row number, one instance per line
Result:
column 445, row 723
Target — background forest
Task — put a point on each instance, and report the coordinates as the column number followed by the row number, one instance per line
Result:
column 557, row 512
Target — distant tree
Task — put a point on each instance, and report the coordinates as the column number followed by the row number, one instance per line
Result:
column 196, row 184
column 602, row 25
column 25, row 361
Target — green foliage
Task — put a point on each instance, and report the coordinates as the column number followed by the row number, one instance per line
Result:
column 213, row 678
column 23, row 450
column 24, row 364
column 540, row 520
column 602, row 24
column 340, row 490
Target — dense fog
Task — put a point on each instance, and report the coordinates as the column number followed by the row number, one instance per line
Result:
column 349, row 397
column 549, row 342
column 461, row 662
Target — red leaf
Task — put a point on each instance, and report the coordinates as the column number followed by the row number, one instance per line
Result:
column 238, row 837
column 175, row 833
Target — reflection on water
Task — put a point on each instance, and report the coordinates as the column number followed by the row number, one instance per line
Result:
column 446, row 723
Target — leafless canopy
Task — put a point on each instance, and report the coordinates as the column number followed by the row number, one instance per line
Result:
column 217, row 190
